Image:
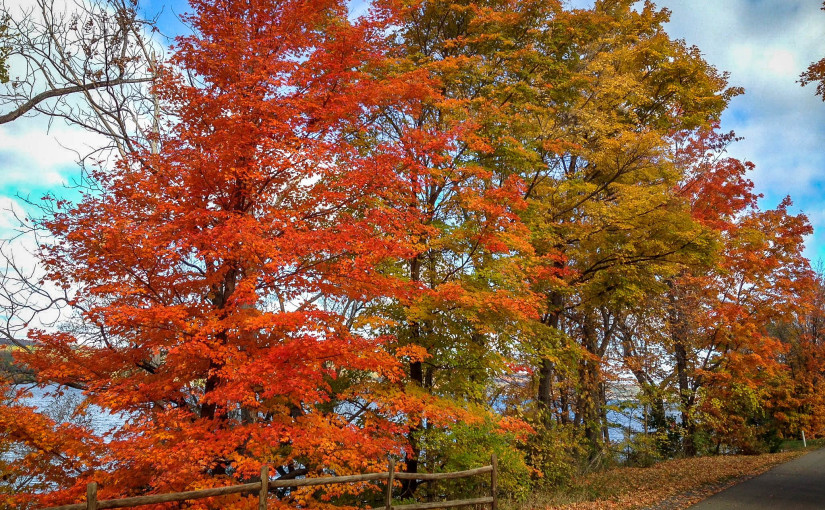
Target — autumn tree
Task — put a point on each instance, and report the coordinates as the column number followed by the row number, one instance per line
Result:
column 796, row 399
column 467, row 258
column 599, row 93
column 578, row 106
column 216, row 279
column 815, row 73
column 719, row 317
column 764, row 279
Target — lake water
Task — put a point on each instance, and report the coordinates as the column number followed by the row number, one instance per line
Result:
column 625, row 420
column 61, row 408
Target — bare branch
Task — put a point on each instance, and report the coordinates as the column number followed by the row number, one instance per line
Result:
column 92, row 66
column 48, row 94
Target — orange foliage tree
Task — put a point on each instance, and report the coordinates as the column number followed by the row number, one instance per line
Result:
column 468, row 261
column 219, row 281
column 719, row 317
column 798, row 398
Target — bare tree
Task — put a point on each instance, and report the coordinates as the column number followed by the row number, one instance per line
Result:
column 90, row 62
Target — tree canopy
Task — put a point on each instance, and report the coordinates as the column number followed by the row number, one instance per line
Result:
column 434, row 231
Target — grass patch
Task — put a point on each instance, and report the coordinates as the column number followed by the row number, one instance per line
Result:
column 792, row 445
column 672, row 484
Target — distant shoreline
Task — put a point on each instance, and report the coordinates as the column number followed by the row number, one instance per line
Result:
column 8, row 368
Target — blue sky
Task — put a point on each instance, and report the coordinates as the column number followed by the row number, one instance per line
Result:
column 763, row 44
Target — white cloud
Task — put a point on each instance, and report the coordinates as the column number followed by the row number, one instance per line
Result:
column 782, row 63
column 10, row 210
column 36, row 153
column 765, row 46
column 32, row 156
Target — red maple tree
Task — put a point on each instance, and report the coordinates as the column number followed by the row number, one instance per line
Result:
column 221, row 280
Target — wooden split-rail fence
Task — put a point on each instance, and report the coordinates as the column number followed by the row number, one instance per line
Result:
column 265, row 485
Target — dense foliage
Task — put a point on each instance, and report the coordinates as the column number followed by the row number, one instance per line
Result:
column 435, row 231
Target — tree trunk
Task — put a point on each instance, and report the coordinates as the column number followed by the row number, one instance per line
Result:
column 679, row 336
column 547, row 368
column 590, row 395
column 408, row 487
column 685, row 400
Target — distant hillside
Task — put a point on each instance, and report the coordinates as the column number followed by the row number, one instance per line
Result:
column 5, row 341
column 8, row 368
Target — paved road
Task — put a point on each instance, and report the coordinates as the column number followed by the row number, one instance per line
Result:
column 799, row 484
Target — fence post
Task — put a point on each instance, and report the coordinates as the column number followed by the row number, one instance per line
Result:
column 494, row 480
column 388, row 496
column 264, row 493
column 91, row 496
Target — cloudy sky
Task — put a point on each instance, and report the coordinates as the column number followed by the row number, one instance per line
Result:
column 763, row 44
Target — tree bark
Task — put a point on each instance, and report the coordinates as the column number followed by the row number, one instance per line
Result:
column 408, row 487
column 679, row 337
column 590, row 394
column 547, row 369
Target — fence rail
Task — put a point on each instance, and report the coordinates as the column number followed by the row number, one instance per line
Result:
column 265, row 485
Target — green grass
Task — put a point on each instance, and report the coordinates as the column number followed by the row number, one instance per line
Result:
column 791, row 445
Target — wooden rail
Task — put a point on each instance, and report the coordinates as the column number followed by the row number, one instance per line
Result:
column 265, row 485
